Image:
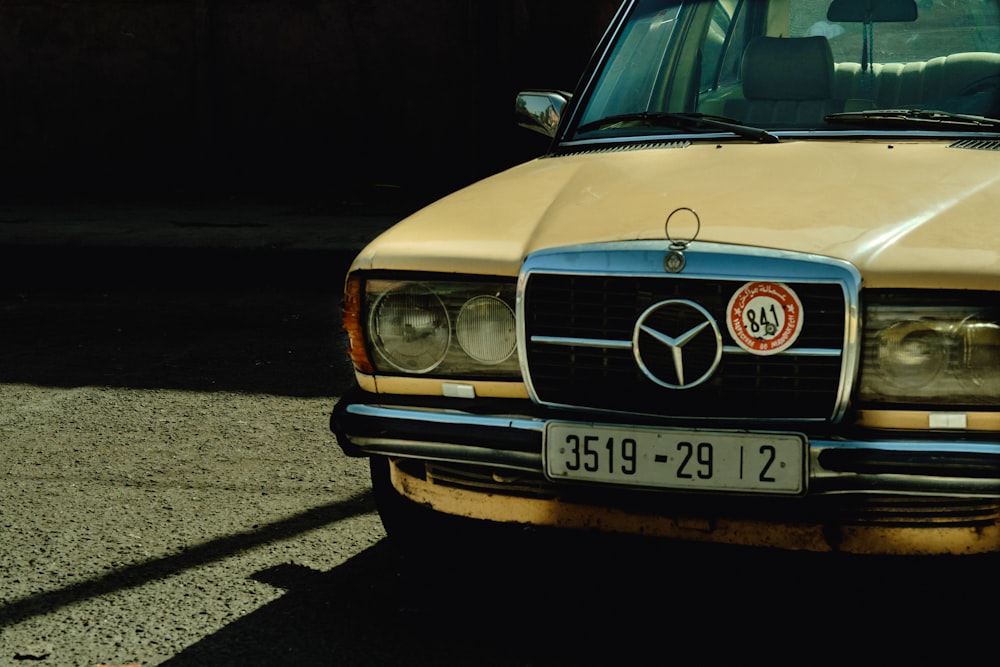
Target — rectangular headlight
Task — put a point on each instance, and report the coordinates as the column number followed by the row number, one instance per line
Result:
column 939, row 351
column 437, row 327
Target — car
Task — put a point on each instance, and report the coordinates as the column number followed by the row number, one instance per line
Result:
column 749, row 295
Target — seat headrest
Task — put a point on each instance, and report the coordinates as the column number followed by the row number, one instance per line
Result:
column 796, row 68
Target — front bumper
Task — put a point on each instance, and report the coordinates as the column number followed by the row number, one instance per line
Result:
column 867, row 492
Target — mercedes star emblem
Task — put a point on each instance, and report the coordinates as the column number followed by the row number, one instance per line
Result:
column 677, row 344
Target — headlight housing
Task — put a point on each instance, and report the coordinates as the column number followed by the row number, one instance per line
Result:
column 940, row 355
column 427, row 326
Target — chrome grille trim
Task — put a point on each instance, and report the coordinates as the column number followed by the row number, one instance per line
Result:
column 636, row 268
column 582, row 342
column 627, row 345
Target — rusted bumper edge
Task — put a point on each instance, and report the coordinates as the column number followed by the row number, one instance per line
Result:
column 822, row 535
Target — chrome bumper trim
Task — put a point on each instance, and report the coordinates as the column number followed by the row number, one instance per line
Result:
column 371, row 428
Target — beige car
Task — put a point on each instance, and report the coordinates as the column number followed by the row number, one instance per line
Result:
column 750, row 295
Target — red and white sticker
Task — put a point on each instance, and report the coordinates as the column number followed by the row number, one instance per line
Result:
column 764, row 318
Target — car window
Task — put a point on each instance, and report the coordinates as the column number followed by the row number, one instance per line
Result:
column 634, row 69
column 791, row 65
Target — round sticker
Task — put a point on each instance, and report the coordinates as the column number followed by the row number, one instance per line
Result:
column 764, row 318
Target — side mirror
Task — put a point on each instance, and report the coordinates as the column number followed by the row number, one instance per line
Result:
column 540, row 110
column 871, row 11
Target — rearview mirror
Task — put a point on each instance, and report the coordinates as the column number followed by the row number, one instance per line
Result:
column 871, row 11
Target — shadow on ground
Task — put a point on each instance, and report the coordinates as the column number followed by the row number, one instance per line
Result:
column 364, row 613
column 581, row 601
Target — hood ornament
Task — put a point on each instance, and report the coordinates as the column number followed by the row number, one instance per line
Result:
column 675, row 261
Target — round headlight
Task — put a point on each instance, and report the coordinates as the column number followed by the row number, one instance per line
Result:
column 911, row 354
column 410, row 329
column 485, row 329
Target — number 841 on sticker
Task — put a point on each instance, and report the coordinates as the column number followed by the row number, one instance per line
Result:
column 759, row 462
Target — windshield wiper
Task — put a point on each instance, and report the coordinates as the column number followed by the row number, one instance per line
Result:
column 909, row 118
column 682, row 121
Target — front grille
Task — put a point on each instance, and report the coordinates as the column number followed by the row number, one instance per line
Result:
column 565, row 313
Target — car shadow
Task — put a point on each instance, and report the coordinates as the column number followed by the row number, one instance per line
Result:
column 365, row 613
column 349, row 616
column 561, row 606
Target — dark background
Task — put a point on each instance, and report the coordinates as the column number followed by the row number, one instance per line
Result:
column 331, row 99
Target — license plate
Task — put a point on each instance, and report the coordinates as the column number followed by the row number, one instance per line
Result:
column 727, row 461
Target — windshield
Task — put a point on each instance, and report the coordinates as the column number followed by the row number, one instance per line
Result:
column 795, row 65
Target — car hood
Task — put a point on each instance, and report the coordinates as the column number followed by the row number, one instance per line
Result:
column 906, row 214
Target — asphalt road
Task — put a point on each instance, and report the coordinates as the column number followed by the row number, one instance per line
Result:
column 170, row 494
